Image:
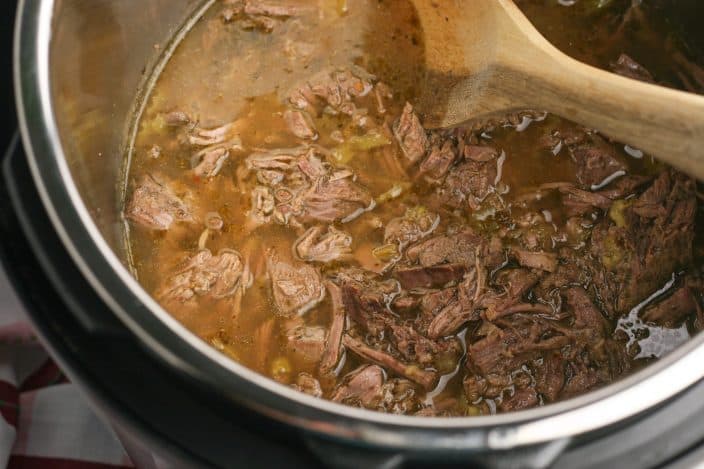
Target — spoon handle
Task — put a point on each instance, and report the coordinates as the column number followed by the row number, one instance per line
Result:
column 662, row 122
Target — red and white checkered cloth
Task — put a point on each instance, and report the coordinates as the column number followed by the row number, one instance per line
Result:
column 44, row 421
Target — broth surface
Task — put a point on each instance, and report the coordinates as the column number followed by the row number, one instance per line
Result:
column 286, row 206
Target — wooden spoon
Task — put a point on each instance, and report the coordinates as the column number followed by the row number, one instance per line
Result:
column 485, row 58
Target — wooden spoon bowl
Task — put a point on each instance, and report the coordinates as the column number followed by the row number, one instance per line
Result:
column 484, row 58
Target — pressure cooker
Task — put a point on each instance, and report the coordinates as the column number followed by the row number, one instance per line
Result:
column 79, row 68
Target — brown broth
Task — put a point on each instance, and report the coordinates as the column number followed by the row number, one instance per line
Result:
column 223, row 73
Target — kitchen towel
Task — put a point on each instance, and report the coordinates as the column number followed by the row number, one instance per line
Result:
column 45, row 422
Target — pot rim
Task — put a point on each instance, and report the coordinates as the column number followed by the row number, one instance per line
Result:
column 181, row 349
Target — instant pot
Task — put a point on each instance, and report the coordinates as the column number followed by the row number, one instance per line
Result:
column 79, row 66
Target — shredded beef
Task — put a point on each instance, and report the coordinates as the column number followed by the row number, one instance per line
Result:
column 305, row 342
column 367, row 387
column 411, row 135
column 366, row 298
column 428, row 277
column 426, row 378
column 203, row 274
column 306, row 383
column 210, row 163
column 260, row 14
column 333, row 341
column 304, row 188
column 469, row 183
column 361, row 387
column 416, row 224
column 155, row 205
column 301, row 124
column 333, row 90
column 671, row 311
column 296, row 287
column 321, row 245
column 644, row 240
column 546, row 261
column 596, row 160
column 438, row 163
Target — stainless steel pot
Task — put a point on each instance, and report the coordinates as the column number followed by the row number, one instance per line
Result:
column 79, row 69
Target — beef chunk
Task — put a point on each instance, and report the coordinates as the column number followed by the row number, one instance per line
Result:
column 411, row 135
column 456, row 248
column 262, row 205
column 307, row 384
column 643, row 241
column 282, row 159
column 417, row 348
column 671, row 311
column 522, row 398
column 625, row 186
column 336, row 197
column 462, row 257
column 586, row 315
column 596, row 160
column 333, row 341
column 400, row 396
column 536, row 308
column 566, row 136
column 429, row 304
column 361, row 387
column 579, row 379
column 428, row 277
column 210, row 163
column 305, row 188
column 503, row 350
column 513, row 284
column 438, row 163
column 546, row 261
column 458, row 309
column 579, row 202
column 270, row 8
column 205, row 275
column 260, row 14
column 550, row 377
column 426, row 378
column 210, row 138
column 473, row 297
column 306, row 342
column 480, row 153
column 469, row 183
column 574, row 270
column 366, row 387
column 366, row 298
column 296, row 287
column 595, row 157
column 301, row 124
column 321, row 245
column 177, row 119
column 492, row 353
column 156, row 206
column 416, row 224
column 332, row 90
column 629, row 68
column 432, row 302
